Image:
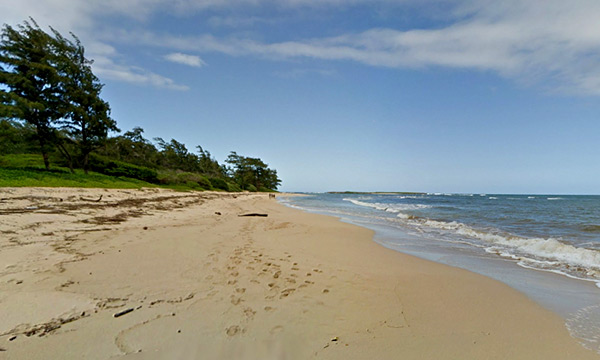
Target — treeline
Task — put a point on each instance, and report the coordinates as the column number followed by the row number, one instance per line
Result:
column 50, row 104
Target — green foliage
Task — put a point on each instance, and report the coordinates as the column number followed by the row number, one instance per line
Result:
column 119, row 168
column 233, row 187
column 88, row 116
column 48, row 83
column 251, row 188
column 21, row 161
column 264, row 189
column 193, row 180
column 63, row 178
column 131, row 147
column 29, row 170
column 17, row 138
column 50, row 103
column 32, row 83
column 219, row 183
column 174, row 155
column 252, row 172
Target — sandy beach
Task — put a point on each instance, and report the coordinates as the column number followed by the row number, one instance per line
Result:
column 157, row 274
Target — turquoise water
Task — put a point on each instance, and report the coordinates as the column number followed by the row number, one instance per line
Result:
column 546, row 246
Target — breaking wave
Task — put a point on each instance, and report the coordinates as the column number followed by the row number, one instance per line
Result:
column 549, row 254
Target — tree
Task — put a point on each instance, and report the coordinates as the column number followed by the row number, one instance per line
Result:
column 208, row 165
column 174, row 155
column 131, row 147
column 248, row 171
column 28, row 71
column 16, row 138
column 50, row 84
column 88, row 118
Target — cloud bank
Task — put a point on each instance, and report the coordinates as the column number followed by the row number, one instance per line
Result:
column 552, row 43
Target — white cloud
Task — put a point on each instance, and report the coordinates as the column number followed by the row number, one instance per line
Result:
column 185, row 59
column 553, row 42
column 106, row 68
column 80, row 18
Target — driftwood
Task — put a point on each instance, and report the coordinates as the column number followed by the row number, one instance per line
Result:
column 93, row 200
column 254, row 214
column 121, row 313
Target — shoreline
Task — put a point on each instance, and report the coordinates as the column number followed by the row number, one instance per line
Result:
column 575, row 301
column 222, row 286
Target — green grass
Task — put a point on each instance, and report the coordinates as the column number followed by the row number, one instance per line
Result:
column 28, row 170
column 11, row 177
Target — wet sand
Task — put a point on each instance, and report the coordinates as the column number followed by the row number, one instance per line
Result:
column 156, row 274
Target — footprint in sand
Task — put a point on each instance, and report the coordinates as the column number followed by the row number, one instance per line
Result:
column 277, row 274
column 236, row 300
column 249, row 312
column 240, row 290
column 276, row 329
column 233, row 330
column 286, row 292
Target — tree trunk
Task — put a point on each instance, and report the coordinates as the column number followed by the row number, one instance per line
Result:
column 44, row 152
column 46, row 160
column 66, row 154
column 86, row 160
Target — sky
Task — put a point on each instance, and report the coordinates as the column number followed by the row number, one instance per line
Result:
column 473, row 96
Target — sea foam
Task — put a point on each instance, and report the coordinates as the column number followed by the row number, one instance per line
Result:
column 541, row 253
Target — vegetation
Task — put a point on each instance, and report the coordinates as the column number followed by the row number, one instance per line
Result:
column 29, row 170
column 50, row 104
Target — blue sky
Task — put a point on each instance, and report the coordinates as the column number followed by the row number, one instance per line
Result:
column 380, row 95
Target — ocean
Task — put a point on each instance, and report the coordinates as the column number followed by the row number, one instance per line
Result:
column 546, row 246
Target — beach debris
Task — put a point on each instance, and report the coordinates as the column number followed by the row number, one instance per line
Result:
column 124, row 312
column 334, row 339
column 217, row 213
column 12, row 338
column 2, row 349
column 145, row 228
column 254, row 214
column 92, row 200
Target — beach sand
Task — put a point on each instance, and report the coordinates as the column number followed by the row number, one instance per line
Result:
column 156, row 274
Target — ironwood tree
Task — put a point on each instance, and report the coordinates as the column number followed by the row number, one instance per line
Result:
column 48, row 82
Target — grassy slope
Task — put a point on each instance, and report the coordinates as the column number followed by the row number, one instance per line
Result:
column 28, row 170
